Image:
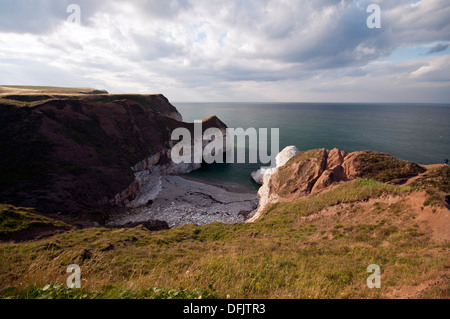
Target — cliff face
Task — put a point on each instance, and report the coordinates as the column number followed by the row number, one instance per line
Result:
column 75, row 153
column 315, row 170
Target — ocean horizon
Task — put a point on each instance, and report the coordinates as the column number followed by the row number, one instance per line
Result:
column 417, row 132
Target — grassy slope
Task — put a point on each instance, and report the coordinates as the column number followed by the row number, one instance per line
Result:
column 37, row 100
column 438, row 179
column 16, row 220
column 33, row 96
column 386, row 168
column 280, row 256
column 30, row 89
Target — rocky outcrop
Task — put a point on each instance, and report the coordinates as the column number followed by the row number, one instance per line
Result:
column 315, row 170
column 334, row 171
column 86, row 154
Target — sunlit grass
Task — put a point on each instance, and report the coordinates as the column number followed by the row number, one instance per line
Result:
column 276, row 257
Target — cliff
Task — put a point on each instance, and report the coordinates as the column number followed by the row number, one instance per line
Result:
column 73, row 152
column 317, row 245
column 328, row 215
column 320, row 170
column 314, row 170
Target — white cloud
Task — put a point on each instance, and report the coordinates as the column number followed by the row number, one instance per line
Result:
column 234, row 50
column 434, row 70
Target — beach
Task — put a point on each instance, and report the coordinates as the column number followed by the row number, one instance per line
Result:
column 187, row 201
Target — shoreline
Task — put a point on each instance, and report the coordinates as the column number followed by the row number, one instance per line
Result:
column 229, row 187
column 183, row 201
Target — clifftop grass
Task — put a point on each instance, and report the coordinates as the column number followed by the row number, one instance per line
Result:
column 35, row 100
column 437, row 178
column 14, row 221
column 30, row 89
column 347, row 192
column 276, row 257
column 34, row 96
column 385, row 168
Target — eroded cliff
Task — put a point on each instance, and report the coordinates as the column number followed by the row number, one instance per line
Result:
column 315, row 170
column 84, row 154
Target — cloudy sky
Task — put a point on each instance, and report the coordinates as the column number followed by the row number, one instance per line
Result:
column 233, row 50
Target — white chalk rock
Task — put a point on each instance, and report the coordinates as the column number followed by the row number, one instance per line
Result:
column 258, row 176
column 285, row 155
column 281, row 159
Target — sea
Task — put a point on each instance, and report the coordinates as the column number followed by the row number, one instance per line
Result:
column 414, row 132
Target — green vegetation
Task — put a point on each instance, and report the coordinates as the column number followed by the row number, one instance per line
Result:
column 288, row 253
column 349, row 192
column 385, row 168
column 34, row 96
column 436, row 182
column 32, row 101
column 437, row 178
column 14, row 221
column 315, row 154
column 45, row 89
column 58, row 291
column 6, row 101
column 279, row 256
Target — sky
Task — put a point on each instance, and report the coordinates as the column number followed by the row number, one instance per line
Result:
column 233, row 50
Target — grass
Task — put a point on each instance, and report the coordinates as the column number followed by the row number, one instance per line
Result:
column 385, row 168
column 4, row 101
column 282, row 255
column 52, row 94
column 47, row 89
column 436, row 182
column 58, row 291
column 276, row 257
column 372, row 166
column 15, row 220
column 349, row 192
column 437, row 178
column 33, row 96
